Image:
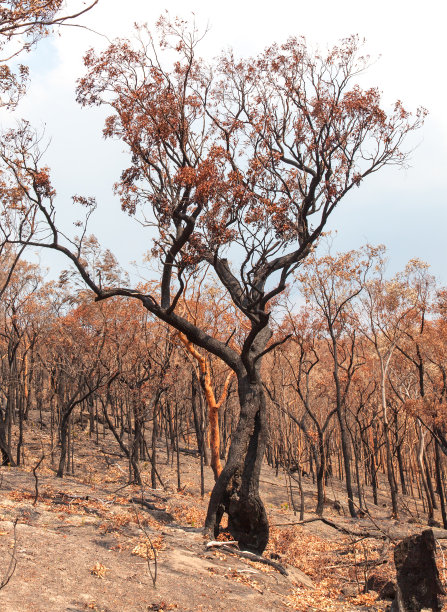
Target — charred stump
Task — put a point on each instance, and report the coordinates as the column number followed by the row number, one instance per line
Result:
column 418, row 584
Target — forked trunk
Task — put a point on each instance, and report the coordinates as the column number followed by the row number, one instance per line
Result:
column 236, row 491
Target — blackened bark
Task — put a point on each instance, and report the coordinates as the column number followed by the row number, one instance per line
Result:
column 300, row 485
column 357, row 474
column 21, row 415
column 418, row 584
column 4, row 447
column 236, row 491
column 439, row 486
column 346, row 451
column 373, row 473
column 401, row 469
column 200, row 433
column 177, row 447
column 155, row 434
column 197, row 424
column 320, row 462
column 341, row 416
column 63, row 438
column 429, row 483
column 134, row 466
column 390, row 469
column 136, row 443
column 375, row 466
column 400, row 462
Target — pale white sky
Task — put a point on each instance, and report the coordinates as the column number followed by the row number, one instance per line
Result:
column 404, row 209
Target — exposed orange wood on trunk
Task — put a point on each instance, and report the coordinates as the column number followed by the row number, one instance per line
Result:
column 213, row 405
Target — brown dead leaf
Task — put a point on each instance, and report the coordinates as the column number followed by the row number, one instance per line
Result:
column 99, row 570
column 145, row 550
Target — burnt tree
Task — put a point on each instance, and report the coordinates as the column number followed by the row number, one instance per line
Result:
column 243, row 159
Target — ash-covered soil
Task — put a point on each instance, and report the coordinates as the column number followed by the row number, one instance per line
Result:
column 85, row 545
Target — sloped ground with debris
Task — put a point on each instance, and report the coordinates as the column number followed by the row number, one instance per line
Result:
column 89, row 542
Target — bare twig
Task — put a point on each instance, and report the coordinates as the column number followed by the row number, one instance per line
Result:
column 368, row 514
column 13, row 561
column 121, row 488
column 36, row 484
column 149, row 546
column 146, row 504
column 337, row 527
column 365, row 563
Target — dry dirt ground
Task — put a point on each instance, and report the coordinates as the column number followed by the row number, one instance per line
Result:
column 84, row 545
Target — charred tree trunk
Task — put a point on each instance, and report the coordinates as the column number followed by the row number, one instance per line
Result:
column 198, row 426
column 420, row 461
column 401, row 469
column 197, row 422
column 430, row 483
column 134, row 475
column 64, row 444
column 390, row 469
column 398, row 446
column 344, row 435
column 155, row 434
column 346, row 451
column 4, row 447
column 236, row 491
column 418, row 584
column 438, row 468
column 320, row 463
